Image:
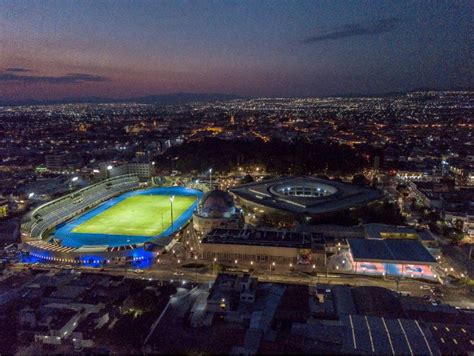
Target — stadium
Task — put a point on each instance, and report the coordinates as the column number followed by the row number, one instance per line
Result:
column 306, row 196
column 113, row 220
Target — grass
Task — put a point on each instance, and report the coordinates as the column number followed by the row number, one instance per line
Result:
column 139, row 215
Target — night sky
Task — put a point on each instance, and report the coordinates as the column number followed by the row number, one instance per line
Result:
column 57, row 49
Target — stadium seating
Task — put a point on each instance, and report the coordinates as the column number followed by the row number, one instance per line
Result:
column 66, row 207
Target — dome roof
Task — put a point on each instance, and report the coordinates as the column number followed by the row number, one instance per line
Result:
column 216, row 204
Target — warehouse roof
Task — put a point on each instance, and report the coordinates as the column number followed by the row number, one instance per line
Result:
column 390, row 250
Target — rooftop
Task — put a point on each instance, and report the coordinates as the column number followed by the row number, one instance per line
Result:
column 390, row 250
column 369, row 334
column 278, row 238
column 306, row 194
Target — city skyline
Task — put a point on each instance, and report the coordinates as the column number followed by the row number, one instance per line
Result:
column 55, row 50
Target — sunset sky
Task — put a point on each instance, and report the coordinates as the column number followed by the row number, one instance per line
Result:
column 57, row 49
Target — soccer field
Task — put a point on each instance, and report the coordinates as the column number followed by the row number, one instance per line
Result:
column 138, row 215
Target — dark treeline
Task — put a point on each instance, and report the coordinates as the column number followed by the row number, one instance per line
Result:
column 276, row 156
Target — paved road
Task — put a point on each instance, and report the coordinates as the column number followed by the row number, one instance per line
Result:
column 459, row 258
column 460, row 297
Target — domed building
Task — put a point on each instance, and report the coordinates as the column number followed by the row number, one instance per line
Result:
column 216, row 209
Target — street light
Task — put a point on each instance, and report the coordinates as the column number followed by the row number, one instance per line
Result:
column 171, row 202
column 109, row 167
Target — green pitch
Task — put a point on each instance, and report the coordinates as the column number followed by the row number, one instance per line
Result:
column 138, row 215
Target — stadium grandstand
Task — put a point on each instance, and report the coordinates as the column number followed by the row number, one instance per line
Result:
column 59, row 210
column 45, row 217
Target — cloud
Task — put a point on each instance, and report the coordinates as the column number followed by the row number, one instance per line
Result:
column 17, row 69
column 71, row 78
column 359, row 29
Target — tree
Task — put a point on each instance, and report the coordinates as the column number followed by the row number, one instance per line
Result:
column 247, row 179
column 359, row 179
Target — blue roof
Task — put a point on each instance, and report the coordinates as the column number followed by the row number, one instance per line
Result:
column 393, row 250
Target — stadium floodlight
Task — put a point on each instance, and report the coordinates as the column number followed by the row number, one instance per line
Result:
column 171, row 202
column 75, row 179
column 109, row 167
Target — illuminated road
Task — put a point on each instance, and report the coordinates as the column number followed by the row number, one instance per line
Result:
column 456, row 296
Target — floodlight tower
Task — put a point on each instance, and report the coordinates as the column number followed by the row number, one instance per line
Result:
column 171, row 202
column 210, row 178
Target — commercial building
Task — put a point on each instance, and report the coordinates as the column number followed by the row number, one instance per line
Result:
column 396, row 257
column 250, row 247
column 141, row 170
column 62, row 162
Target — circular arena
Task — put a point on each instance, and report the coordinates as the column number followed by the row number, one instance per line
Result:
column 302, row 196
column 109, row 221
